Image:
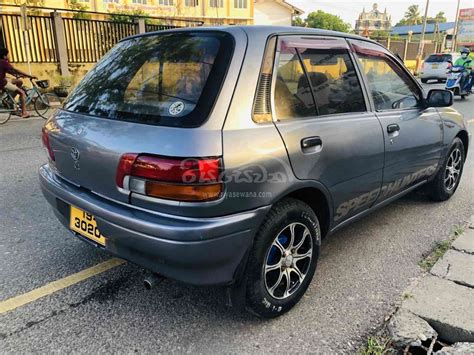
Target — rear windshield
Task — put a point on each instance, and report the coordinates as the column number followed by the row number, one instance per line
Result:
column 166, row 79
column 438, row 58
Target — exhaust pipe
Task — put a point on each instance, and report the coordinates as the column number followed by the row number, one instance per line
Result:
column 152, row 280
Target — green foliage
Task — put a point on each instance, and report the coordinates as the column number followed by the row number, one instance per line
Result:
column 440, row 249
column 379, row 34
column 412, row 16
column 299, row 22
column 131, row 17
column 76, row 5
column 326, row 21
column 439, row 18
column 38, row 3
column 375, row 346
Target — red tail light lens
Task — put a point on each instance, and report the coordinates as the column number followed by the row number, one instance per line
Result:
column 190, row 179
column 125, row 167
column 46, row 144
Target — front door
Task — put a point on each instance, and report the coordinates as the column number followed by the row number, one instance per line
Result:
column 412, row 133
column 321, row 113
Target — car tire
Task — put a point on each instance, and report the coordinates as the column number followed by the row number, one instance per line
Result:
column 290, row 230
column 443, row 186
column 424, row 81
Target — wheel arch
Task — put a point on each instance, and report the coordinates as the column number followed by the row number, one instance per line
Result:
column 464, row 137
column 319, row 201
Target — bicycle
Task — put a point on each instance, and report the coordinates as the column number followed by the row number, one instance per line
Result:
column 42, row 102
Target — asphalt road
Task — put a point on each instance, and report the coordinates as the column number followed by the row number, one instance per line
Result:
column 362, row 271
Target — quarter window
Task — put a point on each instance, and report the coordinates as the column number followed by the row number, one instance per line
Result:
column 293, row 97
column 391, row 88
column 334, row 81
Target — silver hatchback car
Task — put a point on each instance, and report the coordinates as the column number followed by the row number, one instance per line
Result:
column 224, row 155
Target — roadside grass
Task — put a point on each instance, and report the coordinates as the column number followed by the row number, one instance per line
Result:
column 441, row 248
column 376, row 345
column 438, row 251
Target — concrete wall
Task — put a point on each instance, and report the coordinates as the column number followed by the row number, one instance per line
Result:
column 51, row 72
column 271, row 13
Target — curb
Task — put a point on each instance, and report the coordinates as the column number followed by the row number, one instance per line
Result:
column 437, row 313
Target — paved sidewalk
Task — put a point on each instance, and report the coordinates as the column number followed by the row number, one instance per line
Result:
column 439, row 307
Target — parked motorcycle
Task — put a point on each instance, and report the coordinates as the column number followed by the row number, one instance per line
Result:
column 453, row 82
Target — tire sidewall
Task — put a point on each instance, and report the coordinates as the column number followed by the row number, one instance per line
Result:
column 262, row 303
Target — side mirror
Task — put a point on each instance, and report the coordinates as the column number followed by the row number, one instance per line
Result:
column 439, row 98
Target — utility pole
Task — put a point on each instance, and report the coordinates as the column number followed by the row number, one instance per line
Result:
column 455, row 32
column 422, row 40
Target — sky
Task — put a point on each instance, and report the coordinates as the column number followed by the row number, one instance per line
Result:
column 350, row 10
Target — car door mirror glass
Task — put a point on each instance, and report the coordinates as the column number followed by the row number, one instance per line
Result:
column 439, row 98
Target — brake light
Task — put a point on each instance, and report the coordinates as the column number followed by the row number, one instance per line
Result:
column 46, row 144
column 190, row 179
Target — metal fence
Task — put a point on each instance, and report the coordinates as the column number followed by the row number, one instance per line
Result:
column 409, row 50
column 88, row 40
column 85, row 40
column 39, row 37
column 153, row 28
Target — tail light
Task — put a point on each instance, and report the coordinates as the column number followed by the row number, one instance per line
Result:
column 191, row 179
column 46, row 144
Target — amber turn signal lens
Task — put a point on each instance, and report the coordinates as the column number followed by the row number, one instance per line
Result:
column 179, row 192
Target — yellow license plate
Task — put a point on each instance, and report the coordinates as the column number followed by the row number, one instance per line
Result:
column 435, row 66
column 84, row 223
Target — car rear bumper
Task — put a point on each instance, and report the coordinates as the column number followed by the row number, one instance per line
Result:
column 433, row 76
column 199, row 251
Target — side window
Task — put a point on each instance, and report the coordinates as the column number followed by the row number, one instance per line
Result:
column 293, row 97
column 391, row 88
column 334, row 80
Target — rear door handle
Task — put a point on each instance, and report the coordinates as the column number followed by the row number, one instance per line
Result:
column 311, row 144
column 392, row 128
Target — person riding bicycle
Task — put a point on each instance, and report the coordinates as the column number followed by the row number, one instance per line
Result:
column 13, row 85
column 465, row 61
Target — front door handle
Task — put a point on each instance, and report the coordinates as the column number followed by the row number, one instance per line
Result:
column 311, row 144
column 392, row 128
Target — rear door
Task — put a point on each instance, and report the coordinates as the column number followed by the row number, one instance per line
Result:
column 413, row 133
column 321, row 113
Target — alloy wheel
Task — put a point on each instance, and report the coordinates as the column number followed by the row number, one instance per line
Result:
column 288, row 260
column 453, row 169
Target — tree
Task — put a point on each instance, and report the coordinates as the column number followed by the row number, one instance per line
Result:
column 37, row 3
column 379, row 34
column 325, row 21
column 412, row 16
column 299, row 22
column 439, row 18
column 76, row 5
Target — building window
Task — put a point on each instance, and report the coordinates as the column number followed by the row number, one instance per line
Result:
column 191, row 3
column 139, row 2
column 166, row 2
column 240, row 4
column 111, row 1
column 216, row 3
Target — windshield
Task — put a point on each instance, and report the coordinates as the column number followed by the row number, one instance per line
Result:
column 439, row 58
column 167, row 79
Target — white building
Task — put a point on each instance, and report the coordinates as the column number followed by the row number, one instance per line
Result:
column 274, row 12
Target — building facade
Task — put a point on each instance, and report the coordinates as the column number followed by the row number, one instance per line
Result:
column 274, row 12
column 374, row 20
column 211, row 12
